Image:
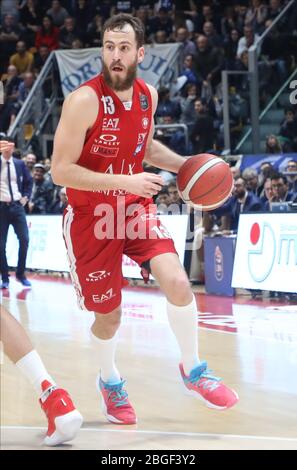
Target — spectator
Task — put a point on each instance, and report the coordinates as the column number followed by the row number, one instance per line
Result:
column 288, row 131
column 241, row 201
column 268, row 193
column 11, row 85
column 166, row 106
column 256, row 16
column 292, row 180
column 208, row 62
column 48, row 34
column 57, row 13
column 10, row 33
column 273, row 145
column 247, row 40
column 228, row 23
column 40, row 58
column 210, row 33
column 202, row 136
column 161, row 22
column 241, row 11
column 230, row 48
column 174, row 194
column 160, row 37
column 83, row 14
column 280, row 188
column 59, row 206
column 250, row 177
column 30, row 17
column 163, row 201
column 188, row 70
column 25, row 88
column 22, row 60
column 42, row 192
column 188, row 116
column 30, row 160
column 16, row 187
column 188, row 47
column 68, row 34
column 94, row 35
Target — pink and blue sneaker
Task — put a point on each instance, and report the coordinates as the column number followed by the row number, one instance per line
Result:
column 205, row 386
column 115, row 404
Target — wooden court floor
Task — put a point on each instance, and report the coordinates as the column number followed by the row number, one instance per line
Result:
column 252, row 345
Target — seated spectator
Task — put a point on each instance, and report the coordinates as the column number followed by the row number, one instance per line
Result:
column 42, row 192
column 247, row 40
column 166, row 106
column 268, row 193
column 288, row 131
column 94, row 32
column 256, row 16
column 188, row 70
column 241, row 201
column 210, row 33
column 228, row 22
column 77, row 44
column 40, row 58
column 11, row 83
column 30, row 161
column 25, row 88
column 161, row 22
column 59, row 206
column 160, row 37
column 47, row 34
column 174, row 194
column 250, row 177
column 68, row 34
column 202, row 135
column 57, row 13
column 280, row 189
column 30, row 17
column 187, row 104
column 230, row 48
column 188, row 46
column 23, row 59
column 273, row 145
column 292, row 180
column 266, row 170
column 208, row 62
column 10, row 33
column 172, row 137
column 163, row 201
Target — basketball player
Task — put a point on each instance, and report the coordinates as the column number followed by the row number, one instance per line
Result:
column 105, row 132
column 63, row 419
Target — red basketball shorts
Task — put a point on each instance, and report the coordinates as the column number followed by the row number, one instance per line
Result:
column 96, row 241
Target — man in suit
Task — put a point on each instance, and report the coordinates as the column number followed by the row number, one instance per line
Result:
column 15, row 191
column 241, row 201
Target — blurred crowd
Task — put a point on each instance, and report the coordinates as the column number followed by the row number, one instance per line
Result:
column 214, row 36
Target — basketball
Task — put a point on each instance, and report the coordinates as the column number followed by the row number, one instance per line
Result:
column 204, row 181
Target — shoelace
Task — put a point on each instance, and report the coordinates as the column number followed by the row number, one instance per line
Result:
column 116, row 393
column 202, row 372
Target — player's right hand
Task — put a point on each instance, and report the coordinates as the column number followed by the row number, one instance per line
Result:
column 144, row 184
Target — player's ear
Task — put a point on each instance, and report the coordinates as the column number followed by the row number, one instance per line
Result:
column 140, row 55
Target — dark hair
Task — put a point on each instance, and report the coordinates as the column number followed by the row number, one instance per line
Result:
column 164, row 190
column 278, row 176
column 119, row 21
column 7, row 137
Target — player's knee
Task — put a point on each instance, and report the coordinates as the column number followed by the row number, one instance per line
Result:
column 107, row 324
column 180, row 290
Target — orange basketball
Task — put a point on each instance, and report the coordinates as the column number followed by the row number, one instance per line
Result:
column 205, row 181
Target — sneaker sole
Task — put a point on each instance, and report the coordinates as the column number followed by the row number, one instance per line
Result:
column 110, row 418
column 208, row 403
column 67, row 426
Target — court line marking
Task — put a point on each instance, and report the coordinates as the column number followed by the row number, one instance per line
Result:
column 168, row 433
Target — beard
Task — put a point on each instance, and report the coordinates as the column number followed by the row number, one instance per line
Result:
column 118, row 83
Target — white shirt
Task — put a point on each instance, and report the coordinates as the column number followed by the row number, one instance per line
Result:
column 4, row 188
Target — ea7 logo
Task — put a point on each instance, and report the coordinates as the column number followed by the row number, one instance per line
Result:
column 293, row 95
column 100, row 298
column 110, row 124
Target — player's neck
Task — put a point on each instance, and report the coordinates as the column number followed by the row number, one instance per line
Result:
column 126, row 95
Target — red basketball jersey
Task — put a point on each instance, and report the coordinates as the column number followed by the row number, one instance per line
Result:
column 116, row 143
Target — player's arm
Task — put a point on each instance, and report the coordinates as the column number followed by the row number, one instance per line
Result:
column 79, row 112
column 157, row 154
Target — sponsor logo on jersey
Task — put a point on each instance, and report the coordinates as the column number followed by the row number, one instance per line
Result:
column 100, row 298
column 141, row 137
column 110, row 124
column 108, row 139
column 143, row 102
column 145, row 122
column 97, row 276
column 104, row 151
